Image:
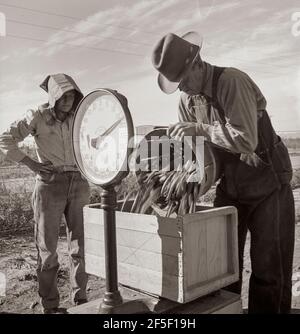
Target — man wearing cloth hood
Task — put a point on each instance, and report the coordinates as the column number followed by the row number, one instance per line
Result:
column 226, row 107
column 59, row 189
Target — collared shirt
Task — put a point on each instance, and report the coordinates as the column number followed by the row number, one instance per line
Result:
column 52, row 138
column 241, row 100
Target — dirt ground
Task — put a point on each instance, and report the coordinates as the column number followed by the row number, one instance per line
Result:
column 18, row 261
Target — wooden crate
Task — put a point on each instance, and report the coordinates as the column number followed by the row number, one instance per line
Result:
column 180, row 259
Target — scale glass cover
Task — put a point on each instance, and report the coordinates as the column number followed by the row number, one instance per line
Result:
column 101, row 134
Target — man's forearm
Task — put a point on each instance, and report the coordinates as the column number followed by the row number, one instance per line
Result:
column 227, row 137
column 38, row 167
column 30, row 163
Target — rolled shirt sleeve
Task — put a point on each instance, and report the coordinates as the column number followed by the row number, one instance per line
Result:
column 17, row 132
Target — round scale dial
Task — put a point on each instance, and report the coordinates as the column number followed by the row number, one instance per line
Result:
column 101, row 133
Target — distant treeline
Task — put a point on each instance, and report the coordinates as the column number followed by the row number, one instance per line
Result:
column 292, row 143
column 29, row 150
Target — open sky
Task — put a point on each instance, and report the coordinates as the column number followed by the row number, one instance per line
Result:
column 108, row 43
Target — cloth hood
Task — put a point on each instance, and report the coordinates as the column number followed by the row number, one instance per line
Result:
column 58, row 84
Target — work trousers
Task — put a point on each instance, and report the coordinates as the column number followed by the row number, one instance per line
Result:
column 64, row 194
column 265, row 208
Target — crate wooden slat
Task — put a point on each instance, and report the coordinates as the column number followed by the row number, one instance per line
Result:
column 180, row 259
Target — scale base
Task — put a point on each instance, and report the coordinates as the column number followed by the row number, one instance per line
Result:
column 137, row 306
column 221, row 302
column 127, row 307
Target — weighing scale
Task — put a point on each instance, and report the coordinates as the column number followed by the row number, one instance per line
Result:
column 101, row 135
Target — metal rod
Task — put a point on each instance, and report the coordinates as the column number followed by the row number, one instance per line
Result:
column 112, row 296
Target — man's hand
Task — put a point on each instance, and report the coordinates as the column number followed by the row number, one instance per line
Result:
column 43, row 169
column 182, row 129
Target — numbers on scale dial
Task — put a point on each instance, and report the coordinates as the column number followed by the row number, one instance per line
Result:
column 97, row 155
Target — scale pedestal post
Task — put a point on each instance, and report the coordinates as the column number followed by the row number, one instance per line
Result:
column 112, row 296
column 112, row 302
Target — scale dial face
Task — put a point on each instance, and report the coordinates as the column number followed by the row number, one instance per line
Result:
column 101, row 132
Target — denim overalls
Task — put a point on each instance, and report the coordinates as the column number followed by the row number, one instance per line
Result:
column 258, row 185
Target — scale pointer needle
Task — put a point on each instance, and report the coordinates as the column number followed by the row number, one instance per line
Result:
column 95, row 142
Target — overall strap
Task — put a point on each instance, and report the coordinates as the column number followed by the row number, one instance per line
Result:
column 216, row 75
column 217, row 113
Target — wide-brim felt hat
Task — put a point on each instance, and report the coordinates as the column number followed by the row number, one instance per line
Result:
column 173, row 56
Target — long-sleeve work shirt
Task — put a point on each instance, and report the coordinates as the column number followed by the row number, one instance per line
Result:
column 52, row 138
column 241, row 101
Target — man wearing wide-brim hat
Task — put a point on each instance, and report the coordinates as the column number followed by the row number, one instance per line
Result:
column 226, row 107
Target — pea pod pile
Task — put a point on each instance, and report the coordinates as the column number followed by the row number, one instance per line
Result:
column 171, row 191
column 174, row 191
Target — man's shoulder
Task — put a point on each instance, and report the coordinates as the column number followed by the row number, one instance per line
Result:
column 234, row 79
column 232, row 73
column 34, row 115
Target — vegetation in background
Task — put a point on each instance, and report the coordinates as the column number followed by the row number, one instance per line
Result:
column 296, row 179
column 16, row 185
column 16, row 214
column 292, row 143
